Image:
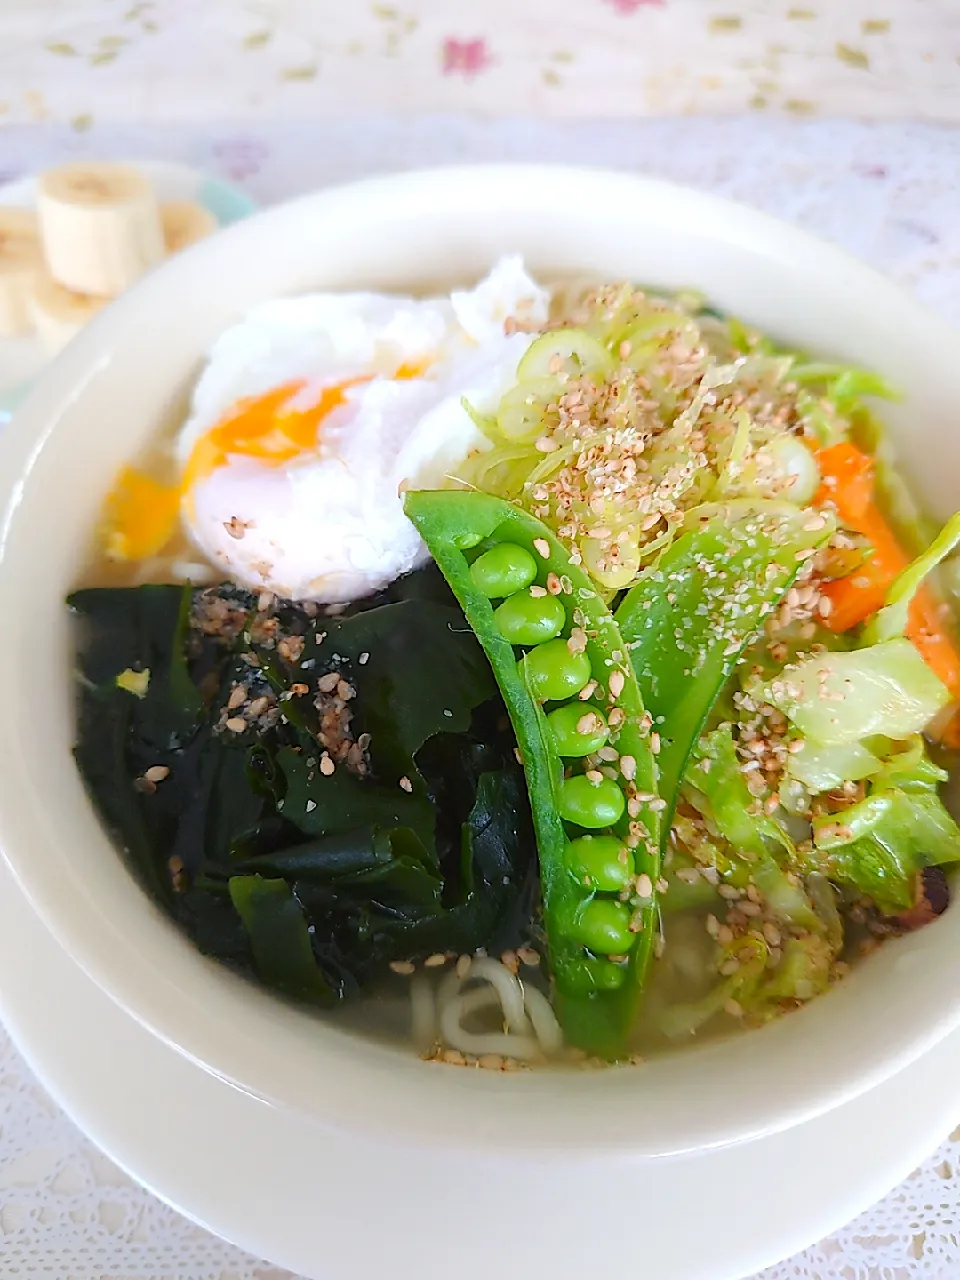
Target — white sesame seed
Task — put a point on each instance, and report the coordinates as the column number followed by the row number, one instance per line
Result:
column 542, row 547
column 406, row 784
column 157, row 773
column 435, row 961
column 772, row 934
column 577, row 642
column 402, row 966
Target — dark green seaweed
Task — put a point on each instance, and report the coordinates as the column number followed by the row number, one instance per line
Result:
column 312, row 882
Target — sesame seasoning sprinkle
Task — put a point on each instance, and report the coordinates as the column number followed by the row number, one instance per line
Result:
column 577, row 642
column 406, row 784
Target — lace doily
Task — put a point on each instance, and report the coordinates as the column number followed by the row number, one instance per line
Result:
column 890, row 193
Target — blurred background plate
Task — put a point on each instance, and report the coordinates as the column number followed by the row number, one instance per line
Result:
column 22, row 358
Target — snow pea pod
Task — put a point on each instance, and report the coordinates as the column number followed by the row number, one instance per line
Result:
column 688, row 619
column 591, row 778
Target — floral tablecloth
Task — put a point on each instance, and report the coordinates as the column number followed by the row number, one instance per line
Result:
column 282, row 95
column 88, row 61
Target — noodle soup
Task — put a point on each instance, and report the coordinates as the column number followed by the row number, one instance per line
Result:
column 537, row 676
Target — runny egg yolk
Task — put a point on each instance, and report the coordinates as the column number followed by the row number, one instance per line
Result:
column 267, row 427
column 142, row 514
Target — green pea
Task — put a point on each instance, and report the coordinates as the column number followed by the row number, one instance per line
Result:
column 600, row 860
column 578, row 729
column 603, row 974
column 603, row 925
column 590, row 804
column 527, row 619
column 555, row 673
column 502, row 570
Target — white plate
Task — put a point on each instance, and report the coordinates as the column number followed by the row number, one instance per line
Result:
column 327, row 1206
column 22, row 358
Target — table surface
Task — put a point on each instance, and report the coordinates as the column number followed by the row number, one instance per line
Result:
column 283, row 95
column 90, row 61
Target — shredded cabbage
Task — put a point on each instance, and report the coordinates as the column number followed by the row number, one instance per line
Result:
column 841, row 698
column 893, row 617
column 718, row 790
column 879, row 845
column 824, row 768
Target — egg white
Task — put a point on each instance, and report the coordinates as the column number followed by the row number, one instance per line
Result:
column 329, row 525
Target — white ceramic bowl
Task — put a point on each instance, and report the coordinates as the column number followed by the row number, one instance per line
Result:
column 129, row 370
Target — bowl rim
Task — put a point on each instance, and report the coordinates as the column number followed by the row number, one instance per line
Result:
column 151, row 1004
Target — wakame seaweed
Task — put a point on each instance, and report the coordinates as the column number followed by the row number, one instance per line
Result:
column 204, row 724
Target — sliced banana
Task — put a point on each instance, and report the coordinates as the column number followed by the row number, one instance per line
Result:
column 58, row 313
column 184, row 223
column 21, row 264
column 100, row 225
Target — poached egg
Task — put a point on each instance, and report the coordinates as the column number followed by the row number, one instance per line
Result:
column 314, row 414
